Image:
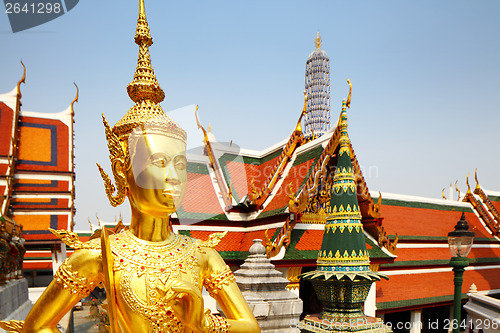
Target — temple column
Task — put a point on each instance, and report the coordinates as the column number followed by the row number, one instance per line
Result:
column 370, row 303
column 58, row 256
column 416, row 321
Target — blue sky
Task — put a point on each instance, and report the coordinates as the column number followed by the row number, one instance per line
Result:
column 426, row 76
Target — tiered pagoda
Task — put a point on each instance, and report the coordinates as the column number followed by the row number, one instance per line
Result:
column 317, row 87
column 343, row 277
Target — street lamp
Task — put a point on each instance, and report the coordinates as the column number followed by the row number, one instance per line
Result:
column 460, row 242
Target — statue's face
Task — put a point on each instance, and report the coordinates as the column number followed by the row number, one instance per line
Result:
column 157, row 174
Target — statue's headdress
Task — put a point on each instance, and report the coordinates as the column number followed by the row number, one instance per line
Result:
column 145, row 117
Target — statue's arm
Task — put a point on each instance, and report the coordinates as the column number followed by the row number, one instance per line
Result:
column 221, row 285
column 74, row 280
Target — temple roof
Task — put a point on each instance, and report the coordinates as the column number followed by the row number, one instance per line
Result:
column 36, row 166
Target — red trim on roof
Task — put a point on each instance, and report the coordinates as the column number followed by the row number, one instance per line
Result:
column 28, row 265
column 6, row 119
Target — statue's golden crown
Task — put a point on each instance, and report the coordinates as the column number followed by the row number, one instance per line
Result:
column 146, row 116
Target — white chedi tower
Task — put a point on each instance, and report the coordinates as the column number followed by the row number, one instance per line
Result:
column 276, row 309
column 317, row 86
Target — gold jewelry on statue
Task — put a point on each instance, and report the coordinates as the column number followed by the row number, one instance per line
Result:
column 157, row 263
column 71, row 239
column 70, row 280
column 214, row 239
column 216, row 281
column 216, row 324
column 12, row 326
column 118, row 160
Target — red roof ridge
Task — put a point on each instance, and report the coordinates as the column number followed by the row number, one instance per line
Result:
column 259, row 196
column 224, row 188
column 486, row 201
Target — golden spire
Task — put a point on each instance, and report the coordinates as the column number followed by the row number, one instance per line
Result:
column 478, row 188
column 145, row 91
column 74, row 100
column 317, row 41
column 348, row 103
column 298, row 128
column 23, row 80
column 468, row 186
column 144, row 86
column 458, row 191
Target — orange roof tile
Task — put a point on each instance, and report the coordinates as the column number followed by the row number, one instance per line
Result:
column 310, row 240
column 413, row 286
column 239, row 179
column 295, row 176
column 43, row 145
column 260, row 173
column 413, row 221
column 250, row 236
column 201, row 197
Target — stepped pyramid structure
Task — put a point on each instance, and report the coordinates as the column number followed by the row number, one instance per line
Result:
column 276, row 309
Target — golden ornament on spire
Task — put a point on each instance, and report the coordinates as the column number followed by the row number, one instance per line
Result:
column 477, row 182
column 144, row 86
column 145, row 91
column 317, row 41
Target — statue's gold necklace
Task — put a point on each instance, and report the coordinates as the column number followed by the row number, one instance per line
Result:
column 155, row 263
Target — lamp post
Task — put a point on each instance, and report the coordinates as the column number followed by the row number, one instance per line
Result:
column 460, row 242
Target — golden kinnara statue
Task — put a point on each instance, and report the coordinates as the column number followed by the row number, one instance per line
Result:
column 153, row 277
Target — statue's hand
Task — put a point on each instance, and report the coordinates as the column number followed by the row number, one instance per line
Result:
column 186, row 301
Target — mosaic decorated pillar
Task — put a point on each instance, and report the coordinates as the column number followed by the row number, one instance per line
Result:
column 317, row 87
column 342, row 278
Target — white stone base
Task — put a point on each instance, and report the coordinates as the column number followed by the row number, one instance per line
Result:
column 20, row 313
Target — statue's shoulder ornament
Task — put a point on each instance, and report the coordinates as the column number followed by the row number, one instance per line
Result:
column 72, row 239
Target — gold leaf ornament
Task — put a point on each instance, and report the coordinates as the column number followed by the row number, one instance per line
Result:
column 12, row 326
column 118, row 161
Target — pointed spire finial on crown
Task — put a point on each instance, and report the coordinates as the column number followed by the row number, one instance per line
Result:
column 144, row 86
column 317, row 41
column 145, row 91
